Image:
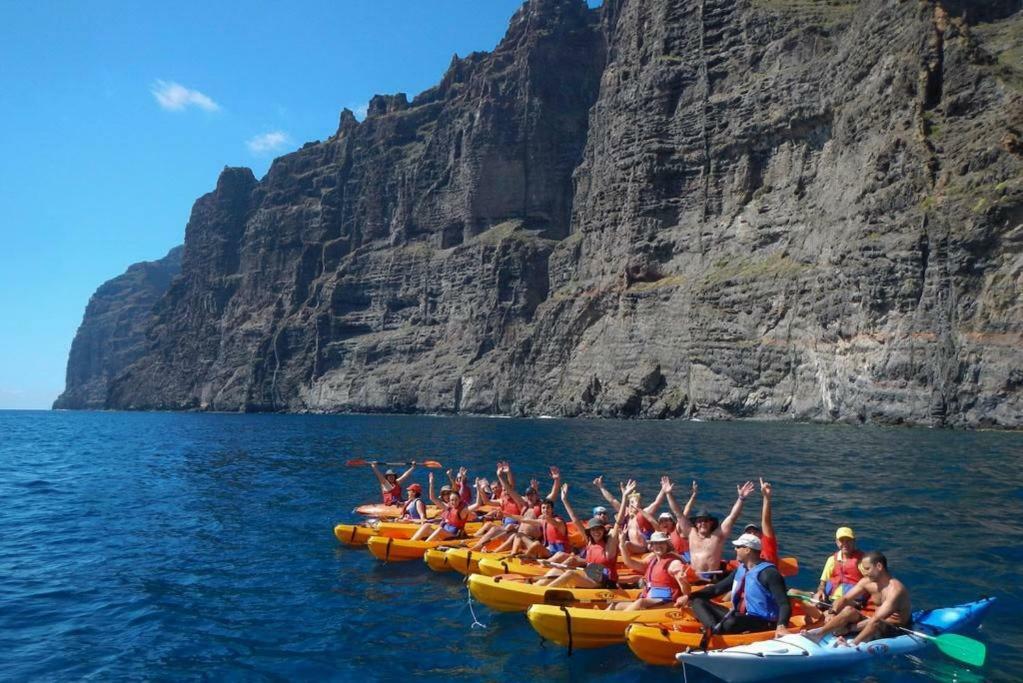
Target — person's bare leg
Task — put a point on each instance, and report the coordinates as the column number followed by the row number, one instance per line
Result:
column 837, row 624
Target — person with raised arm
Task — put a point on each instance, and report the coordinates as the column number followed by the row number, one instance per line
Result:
column 453, row 518
column 600, row 553
column 639, row 525
column 765, row 530
column 554, row 533
column 892, row 614
column 707, row 536
column 530, row 526
column 390, row 483
column 664, row 572
column 670, row 523
column 460, row 483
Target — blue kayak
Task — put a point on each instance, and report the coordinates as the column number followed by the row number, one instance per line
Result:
column 794, row 655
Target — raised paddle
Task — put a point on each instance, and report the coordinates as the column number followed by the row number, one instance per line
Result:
column 958, row 647
column 359, row 462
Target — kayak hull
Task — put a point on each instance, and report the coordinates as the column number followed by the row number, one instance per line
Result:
column 659, row 643
column 585, row 628
column 795, row 655
column 359, row 534
column 512, row 593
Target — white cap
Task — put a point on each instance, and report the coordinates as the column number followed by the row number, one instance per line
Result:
column 659, row 537
column 665, row 515
column 747, row 541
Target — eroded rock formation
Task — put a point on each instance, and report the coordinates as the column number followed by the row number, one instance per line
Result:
column 756, row 208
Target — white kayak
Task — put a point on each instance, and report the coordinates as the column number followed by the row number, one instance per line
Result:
column 795, row 655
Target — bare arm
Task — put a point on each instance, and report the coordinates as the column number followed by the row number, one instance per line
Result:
column 682, row 523
column 691, row 502
column 629, row 560
column 386, row 485
column 436, row 501
column 859, row 589
column 599, row 483
column 556, row 485
column 510, row 476
column 652, row 507
column 407, row 473
column 568, row 508
column 743, row 490
column 766, row 523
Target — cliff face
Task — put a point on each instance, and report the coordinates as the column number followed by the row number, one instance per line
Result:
column 113, row 332
column 764, row 208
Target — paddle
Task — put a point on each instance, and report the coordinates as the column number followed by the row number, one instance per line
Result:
column 958, row 647
column 359, row 462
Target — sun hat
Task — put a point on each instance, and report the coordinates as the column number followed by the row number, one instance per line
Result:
column 747, row 541
column 594, row 523
column 659, row 537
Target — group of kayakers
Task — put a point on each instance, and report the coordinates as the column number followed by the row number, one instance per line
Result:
column 679, row 554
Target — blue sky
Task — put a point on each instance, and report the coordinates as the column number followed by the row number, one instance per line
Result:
column 119, row 115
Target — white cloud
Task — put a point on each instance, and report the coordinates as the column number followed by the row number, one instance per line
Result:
column 175, row 97
column 268, row 142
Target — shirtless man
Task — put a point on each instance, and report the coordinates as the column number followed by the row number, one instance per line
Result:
column 885, row 591
column 706, row 537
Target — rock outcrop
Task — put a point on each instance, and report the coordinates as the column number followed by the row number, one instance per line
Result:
column 661, row 208
column 112, row 335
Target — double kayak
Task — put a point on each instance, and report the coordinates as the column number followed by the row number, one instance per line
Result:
column 514, row 593
column 592, row 626
column 359, row 534
column 795, row 655
column 659, row 643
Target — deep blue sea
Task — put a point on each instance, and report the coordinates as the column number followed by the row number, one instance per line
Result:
column 188, row 546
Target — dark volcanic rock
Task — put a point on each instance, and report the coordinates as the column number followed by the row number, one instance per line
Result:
column 113, row 332
column 753, row 208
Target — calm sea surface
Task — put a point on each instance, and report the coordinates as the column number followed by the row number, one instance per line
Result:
column 188, row 546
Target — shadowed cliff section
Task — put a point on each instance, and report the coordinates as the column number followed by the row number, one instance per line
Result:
column 781, row 209
column 112, row 335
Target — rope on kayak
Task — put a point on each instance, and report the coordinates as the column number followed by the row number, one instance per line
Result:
column 568, row 628
column 475, row 622
column 387, row 551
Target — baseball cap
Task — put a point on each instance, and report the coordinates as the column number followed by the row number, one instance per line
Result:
column 747, row 541
column 595, row 522
column 845, row 532
column 666, row 515
column 389, row 472
column 599, row 510
column 752, row 527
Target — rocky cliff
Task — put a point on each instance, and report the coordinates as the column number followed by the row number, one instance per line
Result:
column 113, row 332
column 806, row 209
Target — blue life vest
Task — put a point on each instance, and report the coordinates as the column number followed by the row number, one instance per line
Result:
column 411, row 509
column 759, row 601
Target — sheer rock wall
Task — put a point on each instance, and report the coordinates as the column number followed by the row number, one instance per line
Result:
column 661, row 208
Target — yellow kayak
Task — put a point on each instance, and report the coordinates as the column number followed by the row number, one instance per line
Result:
column 659, row 643
column 590, row 627
column 465, row 561
column 495, row 566
column 510, row 593
column 401, row 549
column 436, row 559
column 359, row 534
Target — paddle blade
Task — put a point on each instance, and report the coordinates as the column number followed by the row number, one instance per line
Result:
column 961, row 648
column 788, row 566
column 431, row 464
column 358, row 462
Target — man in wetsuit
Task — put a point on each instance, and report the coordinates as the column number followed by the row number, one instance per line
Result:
column 893, row 612
column 759, row 600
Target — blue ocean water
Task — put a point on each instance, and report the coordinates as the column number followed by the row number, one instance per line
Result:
column 169, row 546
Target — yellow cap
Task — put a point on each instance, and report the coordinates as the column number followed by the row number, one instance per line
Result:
column 845, row 532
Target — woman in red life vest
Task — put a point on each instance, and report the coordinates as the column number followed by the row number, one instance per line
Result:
column 638, row 527
column 512, row 508
column 390, row 483
column 599, row 557
column 664, row 573
column 554, row 533
column 528, row 527
column 414, row 510
column 453, row 518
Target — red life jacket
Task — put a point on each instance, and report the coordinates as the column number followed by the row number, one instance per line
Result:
column 643, row 524
column 551, row 533
column 509, row 506
column 846, row 572
column 681, row 545
column 597, row 554
column 453, row 517
column 393, row 497
column 657, row 575
column 465, row 491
